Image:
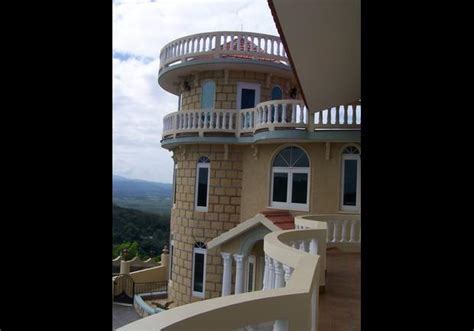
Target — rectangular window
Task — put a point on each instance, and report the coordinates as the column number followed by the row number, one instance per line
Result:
column 248, row 98
column 202, row 186
column 350, row 183
column 299, row 190
column 280, row 186
column 199, row 271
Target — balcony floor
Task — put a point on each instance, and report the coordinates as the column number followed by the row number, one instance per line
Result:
column 339, row 305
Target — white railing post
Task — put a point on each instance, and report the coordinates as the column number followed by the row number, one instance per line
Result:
column 336, row 231
column 265, row 273
column 353, row 232
column 344, row 231
column 280, row 325
column 313, row 247
column 271, row 274
column 288, row 272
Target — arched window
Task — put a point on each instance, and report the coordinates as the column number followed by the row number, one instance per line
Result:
column 199, row 269
column 350, row 183
column 276, row 93
column 290, row 180
column 208, row 94
column 202, row 184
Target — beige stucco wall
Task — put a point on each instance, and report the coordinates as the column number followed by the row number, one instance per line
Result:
column 226, row 92
column 325, row 178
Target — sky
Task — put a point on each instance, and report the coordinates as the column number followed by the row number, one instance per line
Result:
column 140, row 29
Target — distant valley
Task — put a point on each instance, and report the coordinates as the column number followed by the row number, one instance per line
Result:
column 146, row 196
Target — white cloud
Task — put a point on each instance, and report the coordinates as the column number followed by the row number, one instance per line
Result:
column 140, row 30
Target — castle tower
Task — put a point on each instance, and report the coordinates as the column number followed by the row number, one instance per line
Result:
column 242, row 141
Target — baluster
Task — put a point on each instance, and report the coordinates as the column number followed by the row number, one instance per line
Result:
column 338, row 110
column 231, row 126
column 301, row 114
column 205, row 119
column 199, row 120
column 242, row 121
column 344, row 231
column 313, row 247
column 358, row 112
column 284, row 112
column 330, row 232
column 353, row 232
column 218, row 119
column 224, row 123
column 182, row 121
column 336, row 231
column 293, row 113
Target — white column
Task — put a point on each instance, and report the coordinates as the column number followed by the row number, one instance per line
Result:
column 239, row 273
column 271, row 274
column 227, row 274
column 313, row 247
column 265, row 273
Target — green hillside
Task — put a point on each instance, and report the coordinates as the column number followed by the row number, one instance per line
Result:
column 149, row 231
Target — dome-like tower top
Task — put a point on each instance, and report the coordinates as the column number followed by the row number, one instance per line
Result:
column 231, row 50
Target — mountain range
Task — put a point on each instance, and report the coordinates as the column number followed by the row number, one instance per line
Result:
column 147, row 196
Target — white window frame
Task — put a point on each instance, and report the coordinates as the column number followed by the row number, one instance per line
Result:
column 196, row 207
column 343, row 160
column 250, row 86
column 288, row 204
column 197, row 250
column 251, row 260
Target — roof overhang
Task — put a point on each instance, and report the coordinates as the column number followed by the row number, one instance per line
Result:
column 242, row 228
column 322, row 41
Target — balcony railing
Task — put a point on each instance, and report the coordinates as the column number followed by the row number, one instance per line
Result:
column 342, row 229
column 295, row 265
column 270, row 115
column 221, row 44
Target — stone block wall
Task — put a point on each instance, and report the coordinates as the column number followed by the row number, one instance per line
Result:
column 226, row 92
column 189, row 226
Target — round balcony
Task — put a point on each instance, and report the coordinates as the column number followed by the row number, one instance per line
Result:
column 231, row 50
column 270, row 120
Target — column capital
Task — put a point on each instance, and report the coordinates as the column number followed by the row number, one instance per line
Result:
column 238, row 258
column 226, row 256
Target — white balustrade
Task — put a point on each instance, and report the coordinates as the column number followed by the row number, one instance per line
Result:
column 223, row 43
column 269, row 115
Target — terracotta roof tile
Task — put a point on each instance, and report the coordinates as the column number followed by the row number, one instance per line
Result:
column 281, row 218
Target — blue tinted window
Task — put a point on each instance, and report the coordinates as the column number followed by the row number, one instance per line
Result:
column 208, row 95
column 276, row 93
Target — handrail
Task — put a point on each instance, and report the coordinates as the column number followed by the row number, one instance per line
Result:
column 268, row 115
column 294, row 304
column 217, row 44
